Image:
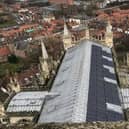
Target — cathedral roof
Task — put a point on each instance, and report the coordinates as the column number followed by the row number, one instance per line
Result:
column 87, row 87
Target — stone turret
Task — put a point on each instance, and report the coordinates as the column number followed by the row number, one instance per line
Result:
column 67, row 37
column 44, row 64
column 109, row 35
column 2, row 109
column 14, row 84
column 87, row 32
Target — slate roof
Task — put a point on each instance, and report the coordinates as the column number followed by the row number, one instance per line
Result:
column 87, row 87
column 103, row 95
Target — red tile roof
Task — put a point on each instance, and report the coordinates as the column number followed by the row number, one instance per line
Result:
column 27, row 74
column 4, row 51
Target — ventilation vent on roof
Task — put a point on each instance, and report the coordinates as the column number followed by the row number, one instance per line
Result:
column 60, row 83
column 110, row 80
column 65, row 69
column 68, row 58
column 70, row 50
column 114, row 108
column 111, row 69
column 108, row 50
column 52, row 97
column 107, row 58
column 32, row 102
column 52, row 108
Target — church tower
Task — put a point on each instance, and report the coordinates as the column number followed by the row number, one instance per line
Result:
column 67, row 38
column 44, row 65
column 109, row 35
column 87, row 32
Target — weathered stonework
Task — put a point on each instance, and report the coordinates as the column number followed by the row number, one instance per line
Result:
column 93, row 125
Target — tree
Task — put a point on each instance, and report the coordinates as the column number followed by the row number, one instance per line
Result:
column 13, row 59
column 90, row 10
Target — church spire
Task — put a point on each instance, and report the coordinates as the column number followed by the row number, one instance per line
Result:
column 44, row 51
column 87, row 32
column 67, row 38
column 109, row 35
column 44, row 65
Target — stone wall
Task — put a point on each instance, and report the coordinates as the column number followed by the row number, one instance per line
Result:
column 17, row 119
column 93, row 125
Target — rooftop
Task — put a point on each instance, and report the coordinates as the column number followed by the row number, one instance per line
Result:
column 4, row 51
column 27, row 102
column 87, row 87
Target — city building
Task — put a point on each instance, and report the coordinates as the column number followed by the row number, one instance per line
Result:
column 4, row 53
column 87, row 87
column 67, row 2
